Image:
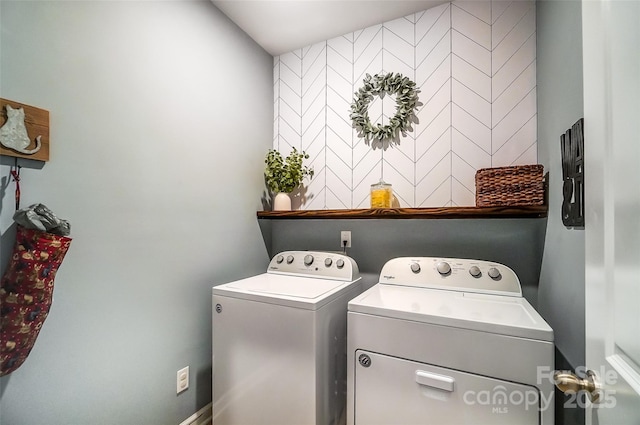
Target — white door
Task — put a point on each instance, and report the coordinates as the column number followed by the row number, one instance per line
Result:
column 611, row 55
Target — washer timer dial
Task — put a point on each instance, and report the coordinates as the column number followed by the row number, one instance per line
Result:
column 494, row 273
column 475, row 271
column 443, row 268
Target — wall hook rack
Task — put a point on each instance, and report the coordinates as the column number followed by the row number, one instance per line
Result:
column 36, row 122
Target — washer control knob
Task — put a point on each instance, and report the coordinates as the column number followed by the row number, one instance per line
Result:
column 289, row 259
column 443, row 268
column 308, row 260
column 475, row 271
column 328, row 262
column 494, row 273
column 279, row 259
column 340, row 263
column 415, row 267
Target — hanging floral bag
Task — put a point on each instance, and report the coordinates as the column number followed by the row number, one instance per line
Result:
column 26, row 292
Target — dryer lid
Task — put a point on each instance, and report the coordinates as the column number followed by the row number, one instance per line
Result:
column 496, row 314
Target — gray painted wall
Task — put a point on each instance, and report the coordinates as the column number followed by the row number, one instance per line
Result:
column 161, row 113
column 560, row 105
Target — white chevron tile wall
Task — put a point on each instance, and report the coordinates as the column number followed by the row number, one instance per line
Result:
column 474, row 62
column 433, row 133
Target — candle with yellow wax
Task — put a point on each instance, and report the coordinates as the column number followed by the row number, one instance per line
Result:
column 381, row 195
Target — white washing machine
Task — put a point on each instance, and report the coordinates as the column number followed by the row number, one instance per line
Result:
column 448, row 341
column 279, row 342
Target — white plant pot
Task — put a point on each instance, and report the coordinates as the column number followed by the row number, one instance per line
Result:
column 282, row 202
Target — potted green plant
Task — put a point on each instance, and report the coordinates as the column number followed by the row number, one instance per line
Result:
column 285, row 175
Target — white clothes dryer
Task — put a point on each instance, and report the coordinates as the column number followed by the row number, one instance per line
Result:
column 448, row 341
column 279, row 342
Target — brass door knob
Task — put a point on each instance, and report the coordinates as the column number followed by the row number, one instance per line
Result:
column 569, row 382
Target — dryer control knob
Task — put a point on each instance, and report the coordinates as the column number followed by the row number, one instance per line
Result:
column 340, row 263
column 475, row 271
column 289, row 259
column 328, row 262
column 443, row 268
column 308, row 260
column 415, row 267
column 279, row 259
column 494, row 273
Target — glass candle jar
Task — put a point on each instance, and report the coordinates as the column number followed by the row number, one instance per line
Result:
column 381, row 195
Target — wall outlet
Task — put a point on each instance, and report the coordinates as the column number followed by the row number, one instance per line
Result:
column 182, row 380
column 345, row 235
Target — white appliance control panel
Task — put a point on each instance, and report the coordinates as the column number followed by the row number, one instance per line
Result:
column 325, row 265
column 454, row 274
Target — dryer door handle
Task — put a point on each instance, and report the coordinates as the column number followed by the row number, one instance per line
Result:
column 435, row 380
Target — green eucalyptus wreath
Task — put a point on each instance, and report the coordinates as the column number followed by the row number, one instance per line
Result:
column 382, row 136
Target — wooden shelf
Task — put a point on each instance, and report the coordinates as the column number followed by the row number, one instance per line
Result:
column 532, row 211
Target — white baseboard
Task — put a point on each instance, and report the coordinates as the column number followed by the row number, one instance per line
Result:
column 203, row 416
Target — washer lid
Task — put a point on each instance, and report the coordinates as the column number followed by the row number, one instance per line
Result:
column 496, row 314
column 301, row 292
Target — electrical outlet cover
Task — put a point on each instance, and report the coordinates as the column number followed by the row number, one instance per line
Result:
column 345, row 235
column 182, row 380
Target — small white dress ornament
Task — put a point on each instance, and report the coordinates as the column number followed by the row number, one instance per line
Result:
column 13, row 134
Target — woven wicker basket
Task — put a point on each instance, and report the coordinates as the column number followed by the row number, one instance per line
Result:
column 509, row 186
